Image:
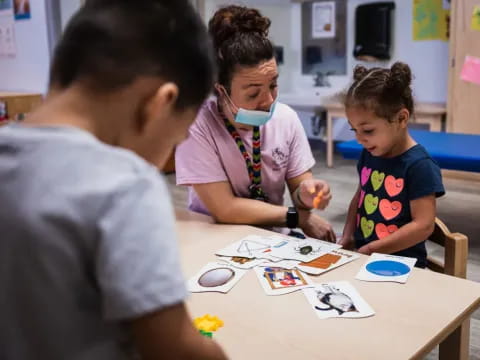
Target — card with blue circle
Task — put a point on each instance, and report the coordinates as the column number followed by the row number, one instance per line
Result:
column 387, row 268
column 383, row 267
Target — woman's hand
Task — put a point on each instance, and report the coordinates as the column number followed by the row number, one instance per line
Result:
column 314, row 226
column 314, row 194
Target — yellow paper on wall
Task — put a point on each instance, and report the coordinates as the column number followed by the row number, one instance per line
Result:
column 475, row 24
column 430, row 20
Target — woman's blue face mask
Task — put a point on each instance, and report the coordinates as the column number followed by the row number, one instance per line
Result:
column 254, row 117
column 251, row 117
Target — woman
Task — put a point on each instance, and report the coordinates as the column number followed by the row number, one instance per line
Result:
column 245, row 145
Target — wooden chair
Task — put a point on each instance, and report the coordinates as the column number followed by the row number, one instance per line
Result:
column 455, row 264
column 456, row 251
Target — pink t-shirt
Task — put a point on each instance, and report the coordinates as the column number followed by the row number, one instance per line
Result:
column 210, row 154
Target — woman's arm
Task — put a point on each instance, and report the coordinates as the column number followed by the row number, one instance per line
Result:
column 304, row 189
column 351, row 222
column 227, row 208
column 419, row 229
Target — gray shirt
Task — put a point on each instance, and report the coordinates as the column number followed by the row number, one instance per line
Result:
column 87, row 240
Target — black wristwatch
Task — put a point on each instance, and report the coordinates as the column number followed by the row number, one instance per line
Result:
column 292, row 217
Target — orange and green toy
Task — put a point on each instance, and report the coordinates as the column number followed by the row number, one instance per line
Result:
column 207, row 324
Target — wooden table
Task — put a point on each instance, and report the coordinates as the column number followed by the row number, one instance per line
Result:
column 425, row 113
column 410, row 319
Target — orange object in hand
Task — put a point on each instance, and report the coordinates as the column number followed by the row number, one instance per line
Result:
column 318, row 198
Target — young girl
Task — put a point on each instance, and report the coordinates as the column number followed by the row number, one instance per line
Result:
column 393, row 209
column 89, row 260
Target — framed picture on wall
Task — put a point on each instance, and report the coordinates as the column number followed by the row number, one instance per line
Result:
column 323, row 19
column 22, row 9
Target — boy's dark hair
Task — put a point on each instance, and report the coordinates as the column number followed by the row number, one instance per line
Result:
column 108, row 43
column 240, row 37
column 383, row 91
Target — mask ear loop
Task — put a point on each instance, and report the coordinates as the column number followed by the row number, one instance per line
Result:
column 221, row 89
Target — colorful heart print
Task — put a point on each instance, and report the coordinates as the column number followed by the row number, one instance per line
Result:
column 360, row 201
column 389, row 210
column 365, row 174
column 393, row 186
column 383, row 230
column 367, row 227
column 370, row 203
column 377, row 179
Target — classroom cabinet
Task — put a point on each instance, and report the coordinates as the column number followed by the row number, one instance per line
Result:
column 15, row 105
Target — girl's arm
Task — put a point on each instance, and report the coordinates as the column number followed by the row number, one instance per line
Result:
column 351, row 222
column 419, row 229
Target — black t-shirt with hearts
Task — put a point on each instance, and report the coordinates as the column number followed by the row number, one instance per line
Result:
column 387, row 187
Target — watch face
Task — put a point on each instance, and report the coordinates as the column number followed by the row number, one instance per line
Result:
column 292, row 218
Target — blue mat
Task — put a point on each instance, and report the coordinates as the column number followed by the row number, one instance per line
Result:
column 450, row 151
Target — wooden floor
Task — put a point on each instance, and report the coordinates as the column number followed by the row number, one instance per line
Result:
column 459, row 209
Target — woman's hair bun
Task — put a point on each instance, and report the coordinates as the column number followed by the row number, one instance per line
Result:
column 232, row 20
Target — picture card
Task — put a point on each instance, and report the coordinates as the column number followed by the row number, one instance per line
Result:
column 216, row 277
column 327, row 262
column 384, row 267
column 337, row 299
column 280, row 281
column 286, row 264
column 252, row 246
column 241, row 262
column 303, row 249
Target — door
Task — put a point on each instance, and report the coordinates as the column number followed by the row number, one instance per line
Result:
column 464, row 97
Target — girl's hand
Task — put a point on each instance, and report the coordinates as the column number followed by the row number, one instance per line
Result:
column 347, row 242
column 365, row 249
column 314, row 194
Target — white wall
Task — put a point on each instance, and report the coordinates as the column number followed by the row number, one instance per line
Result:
column 67, row 9
column 28, row 71
column 279, row 11
column 427, row 59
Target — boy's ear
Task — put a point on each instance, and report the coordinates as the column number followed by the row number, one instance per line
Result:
column 403, row 116
column 159, row 106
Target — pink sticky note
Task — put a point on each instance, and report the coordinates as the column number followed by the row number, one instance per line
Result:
column 471, row 70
